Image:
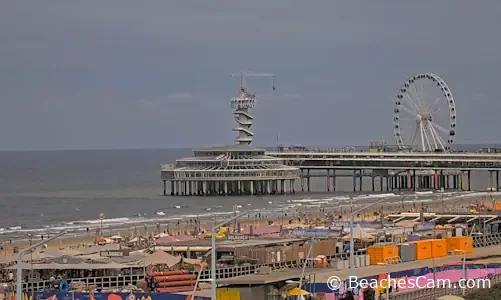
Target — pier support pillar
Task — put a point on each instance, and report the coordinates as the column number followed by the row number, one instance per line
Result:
column 333, row 180
column 328, row 180
column 381, row 178
column 442, row 180
column 268, row 188
column 491, row 180
column 409, row 179
column 361, row 174
column 165, row 187
column 293, row 186
column 307, row 180
column 302, row 180
column 204, row 188
column 373, row 185
column 461, row 180
column 354, row 180
column 172, row 188
column 252, row 187
column 435, row 179
column 387, row 184
column 497, row 180
column 283, row 188
column 469, row 180
column 414, row 180
column 226, row 188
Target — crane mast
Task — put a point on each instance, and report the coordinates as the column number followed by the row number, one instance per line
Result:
column 242, row 76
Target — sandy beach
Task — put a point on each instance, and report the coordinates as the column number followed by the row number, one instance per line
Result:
column 307, row 218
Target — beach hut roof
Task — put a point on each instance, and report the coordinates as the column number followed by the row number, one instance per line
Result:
column 160, row 258
column 192, row 261
column 170, row 239
column 450, row 297
column 54, row 266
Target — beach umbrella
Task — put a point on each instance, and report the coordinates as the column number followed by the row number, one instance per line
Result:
column 297, row 292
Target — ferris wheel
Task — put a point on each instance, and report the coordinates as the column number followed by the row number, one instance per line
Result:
column 425, row 114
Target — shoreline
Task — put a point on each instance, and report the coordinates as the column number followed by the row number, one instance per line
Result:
column 286, row 202
column 280, row 217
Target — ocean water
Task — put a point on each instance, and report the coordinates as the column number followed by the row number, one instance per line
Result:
column 50, row 190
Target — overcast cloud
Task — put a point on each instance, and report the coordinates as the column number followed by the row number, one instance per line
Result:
column 143, row 74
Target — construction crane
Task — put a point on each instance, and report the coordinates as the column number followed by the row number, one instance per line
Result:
column 242, row 76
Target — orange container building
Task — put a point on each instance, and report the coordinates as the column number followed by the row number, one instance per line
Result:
column 423, row 249
column 438, row 248
column 459, row 244
column 381, row 253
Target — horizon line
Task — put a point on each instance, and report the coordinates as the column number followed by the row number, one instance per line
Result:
column 191, row 148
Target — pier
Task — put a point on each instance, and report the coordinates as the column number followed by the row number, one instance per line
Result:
column 230, row 170
column 393, row 170
column 242, row 170
column 414, row 171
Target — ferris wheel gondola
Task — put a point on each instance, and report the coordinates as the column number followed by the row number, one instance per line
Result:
column 425, row 114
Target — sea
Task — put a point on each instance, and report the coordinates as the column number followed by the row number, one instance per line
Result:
column 47, row 191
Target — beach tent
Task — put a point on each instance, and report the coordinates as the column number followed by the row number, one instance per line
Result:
column 159, row 258
column 161, row 235
column 358, row 233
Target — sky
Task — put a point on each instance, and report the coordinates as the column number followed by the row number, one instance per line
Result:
column 156, row 74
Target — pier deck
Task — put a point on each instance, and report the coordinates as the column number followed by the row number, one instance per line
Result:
column 388, row 171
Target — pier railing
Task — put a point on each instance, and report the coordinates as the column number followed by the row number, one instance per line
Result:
column 221, row 273
column 105, row 282
column 337, row 261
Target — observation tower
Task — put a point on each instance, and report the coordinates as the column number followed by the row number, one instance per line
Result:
column 237, row 169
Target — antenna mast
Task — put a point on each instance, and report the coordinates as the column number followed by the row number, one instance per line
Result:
column 242, row 104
